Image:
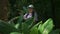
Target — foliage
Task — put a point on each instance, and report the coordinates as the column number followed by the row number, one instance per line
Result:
column 15, row 33
column 26, row 27
column 6, row 28
column 46, row 27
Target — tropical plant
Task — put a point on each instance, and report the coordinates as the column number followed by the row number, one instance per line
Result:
column 26, row 27
column 44, row 28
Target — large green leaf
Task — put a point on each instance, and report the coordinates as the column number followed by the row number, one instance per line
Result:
column 15, row 33
column 29, row 22
column 46, row 27
column 26, row 25
column 19, row 22
column 6, row 28
column 20, row 19
column 34, row 29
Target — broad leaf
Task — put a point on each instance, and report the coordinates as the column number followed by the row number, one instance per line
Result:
column 6, row 28
column 34, row 29
column 15, row 33
column 17, row 26
column 27, row 25
column 46, row 27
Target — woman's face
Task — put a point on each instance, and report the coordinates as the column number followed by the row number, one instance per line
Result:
column 30, row 10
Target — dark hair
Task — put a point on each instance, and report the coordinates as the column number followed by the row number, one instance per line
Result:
column 33, row 14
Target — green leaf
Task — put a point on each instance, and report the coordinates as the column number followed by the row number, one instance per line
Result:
column 29, row 22
column 19, row 22
column 24, row 27
column 34, row 29
column 20, row 19
column 17, row 26
column 6, row 28
column 15, row 33
column 46, row 27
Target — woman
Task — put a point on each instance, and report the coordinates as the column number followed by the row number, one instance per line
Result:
column 31, row 13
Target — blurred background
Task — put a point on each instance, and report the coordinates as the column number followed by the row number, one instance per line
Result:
column 45, row 9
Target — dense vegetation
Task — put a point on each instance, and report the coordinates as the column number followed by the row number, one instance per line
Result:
column 14, row 8
column 45, row 9
column 28, row 27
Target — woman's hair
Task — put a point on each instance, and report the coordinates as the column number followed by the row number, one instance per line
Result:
column 33, row 14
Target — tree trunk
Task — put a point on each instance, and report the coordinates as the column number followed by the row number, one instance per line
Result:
column 3, row 9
